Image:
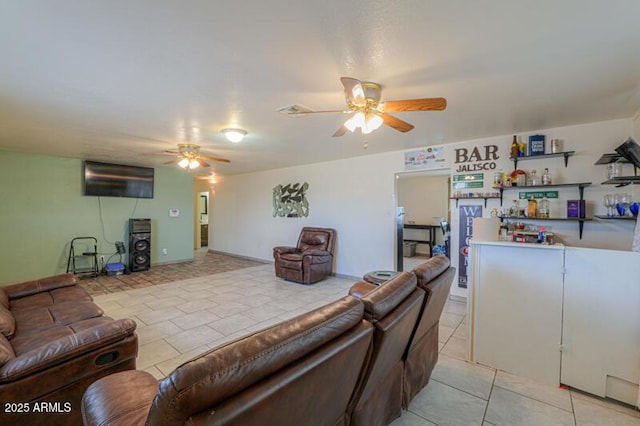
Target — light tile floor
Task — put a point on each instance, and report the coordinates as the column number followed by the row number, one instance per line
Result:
column 181, row 319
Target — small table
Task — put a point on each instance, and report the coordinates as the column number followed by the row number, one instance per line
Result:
column 432, row 235
column 378, row 277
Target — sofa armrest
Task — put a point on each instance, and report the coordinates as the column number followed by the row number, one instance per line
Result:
column 66, row 348
column 361, row 289
column 284, row 250
column 28, row 288
column 121, row 399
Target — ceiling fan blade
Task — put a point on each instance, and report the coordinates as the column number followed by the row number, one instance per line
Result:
column 168, row 151
column 175, row 161
column 396, row 123
column 354, row 91
column 426, row 104
column 297, row 110
column 341, row 131
column 222, row 160
column 202, row 163
column 323, row 111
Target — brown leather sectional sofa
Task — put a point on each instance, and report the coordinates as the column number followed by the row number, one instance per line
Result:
column 355, row 361
column 54, row 343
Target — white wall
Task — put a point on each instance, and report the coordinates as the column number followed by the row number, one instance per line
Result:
column 355, row 196
column 425, row 199
column 636, row 126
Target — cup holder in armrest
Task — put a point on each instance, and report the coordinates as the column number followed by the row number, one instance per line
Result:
column 108, row 357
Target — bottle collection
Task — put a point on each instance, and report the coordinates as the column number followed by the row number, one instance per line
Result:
column 522, row 178
column 534, row 209
column 520, row 233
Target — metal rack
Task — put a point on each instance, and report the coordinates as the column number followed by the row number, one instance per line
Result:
column 83, row 263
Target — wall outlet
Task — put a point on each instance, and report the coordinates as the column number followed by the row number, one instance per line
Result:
column 165, row 251
column 101, row 260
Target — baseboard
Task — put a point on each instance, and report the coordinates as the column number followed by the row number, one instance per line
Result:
column 255, row 259
column 456, row 298
column 347, row 277
column 173, row 262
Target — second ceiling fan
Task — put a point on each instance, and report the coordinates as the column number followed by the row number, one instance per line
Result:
column 188, row 157
column 363, row 100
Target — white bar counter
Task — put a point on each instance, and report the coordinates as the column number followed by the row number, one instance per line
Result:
column 557, row 314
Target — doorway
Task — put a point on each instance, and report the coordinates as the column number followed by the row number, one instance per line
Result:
column 203, row 218
column 422, row 205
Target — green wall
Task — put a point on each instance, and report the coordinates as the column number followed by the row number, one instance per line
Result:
column 42, row 208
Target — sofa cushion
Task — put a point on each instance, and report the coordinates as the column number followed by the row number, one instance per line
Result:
column 291, row 260
column 4, row 299
column 313, row 240
column 6, row 351
column 7, row 322
column 52, row 297
column 40, row 318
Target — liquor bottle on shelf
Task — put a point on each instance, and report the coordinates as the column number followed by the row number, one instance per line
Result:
column 532, row 208
column 514, row 211
column 533, row 180
column 543, row 208
column 546, row 177
column 515, row 148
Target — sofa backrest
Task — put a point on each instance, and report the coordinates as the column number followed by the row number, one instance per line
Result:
column 272, row 376
column 434, row 277
column 316, row 239
column 393, row 309
column 427, row 271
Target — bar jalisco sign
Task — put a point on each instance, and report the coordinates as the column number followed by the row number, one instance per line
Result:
column 478, row 159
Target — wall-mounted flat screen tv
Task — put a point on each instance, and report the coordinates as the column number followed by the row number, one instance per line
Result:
column 117, row 180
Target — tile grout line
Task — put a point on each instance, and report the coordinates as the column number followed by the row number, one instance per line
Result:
column 493, row 383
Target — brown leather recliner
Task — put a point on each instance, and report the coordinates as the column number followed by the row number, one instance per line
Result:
column 54, row 343
column 301, row 371
column 312, row 258
column 393, row 309
column 434, row 277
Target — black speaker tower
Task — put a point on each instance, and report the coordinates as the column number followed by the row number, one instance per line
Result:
column 139, row 244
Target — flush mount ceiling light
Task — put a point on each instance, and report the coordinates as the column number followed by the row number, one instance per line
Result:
column 234, row 135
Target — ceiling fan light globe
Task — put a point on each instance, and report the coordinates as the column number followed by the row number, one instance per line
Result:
column 366, row 129
column 184, row 163
column 374, row 122
column 350, row 124
column 193, row 164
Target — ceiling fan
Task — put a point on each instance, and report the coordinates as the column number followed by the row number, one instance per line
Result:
column 188, row 157
column 363, row 100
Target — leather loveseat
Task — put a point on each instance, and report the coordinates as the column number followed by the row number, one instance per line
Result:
column 54, row 343
column 354, row 361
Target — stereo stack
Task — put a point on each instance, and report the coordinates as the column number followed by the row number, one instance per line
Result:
column 139, row 244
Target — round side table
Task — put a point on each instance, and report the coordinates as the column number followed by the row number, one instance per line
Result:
column 378, row 277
